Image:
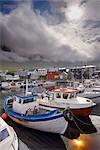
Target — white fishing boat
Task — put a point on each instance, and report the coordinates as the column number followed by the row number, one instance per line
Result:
column 31, row 84
column 79, row 86
column 11, row 85
column 50, row 85
column 67, row 98
column 91, row 93
column 26, row 111
column 8, row 137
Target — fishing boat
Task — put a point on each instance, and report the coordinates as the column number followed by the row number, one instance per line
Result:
column 92, row 89
column 26, row 111
column 8, row 137
column 67, row 98
column 50, row 85
column 91, row 93
column 10, row 85
column 79, row 86
column 31, row 84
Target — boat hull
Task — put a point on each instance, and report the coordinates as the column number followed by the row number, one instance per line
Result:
column 82, row 111
column 57, row 125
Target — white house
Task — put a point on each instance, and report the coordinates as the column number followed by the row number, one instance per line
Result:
column 42, row 71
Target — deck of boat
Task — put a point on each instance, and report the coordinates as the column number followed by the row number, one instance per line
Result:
column 37, row 140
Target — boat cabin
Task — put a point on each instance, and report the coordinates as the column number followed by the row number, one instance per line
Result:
column 22, row 104
column 63, row 94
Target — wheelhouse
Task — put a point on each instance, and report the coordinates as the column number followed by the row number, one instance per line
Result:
column 22, row 103
column 64, row 93
column 25, row 99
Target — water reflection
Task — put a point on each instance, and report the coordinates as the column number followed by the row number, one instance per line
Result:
column 84, row 142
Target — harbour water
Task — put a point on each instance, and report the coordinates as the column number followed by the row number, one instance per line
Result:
column 36, row 140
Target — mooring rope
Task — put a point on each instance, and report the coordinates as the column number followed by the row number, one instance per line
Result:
column 76, row 122
column 79, row 127
column 79, row 119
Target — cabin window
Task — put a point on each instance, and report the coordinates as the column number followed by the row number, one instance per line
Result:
column 20, row 101
column 71, row 95
column 75, row 95
column 14, row 98
column 3, row 135
column 28, row 100
column 35, row 98
column 65, row 95
column 58, row 95
column 51, row 96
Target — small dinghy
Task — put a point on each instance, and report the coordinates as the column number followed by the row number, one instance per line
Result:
column 26, row 111
column 8, row 137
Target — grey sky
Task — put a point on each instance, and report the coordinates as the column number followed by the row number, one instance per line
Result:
column 29, row 34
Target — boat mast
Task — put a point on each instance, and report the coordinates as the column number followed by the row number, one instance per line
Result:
column 26, row 87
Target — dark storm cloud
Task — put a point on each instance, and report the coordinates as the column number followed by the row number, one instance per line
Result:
column 28, row 35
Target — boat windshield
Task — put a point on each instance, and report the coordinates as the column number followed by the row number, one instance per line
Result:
column 65, row 95
column 72, row 95
column 58, row 95
column 3, row 134
column 51, row 96
column 29, row 100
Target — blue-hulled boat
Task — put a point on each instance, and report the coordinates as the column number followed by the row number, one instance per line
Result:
column 26, row 111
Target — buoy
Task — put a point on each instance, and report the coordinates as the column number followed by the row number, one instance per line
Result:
column 4, row 116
